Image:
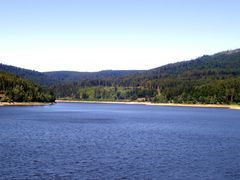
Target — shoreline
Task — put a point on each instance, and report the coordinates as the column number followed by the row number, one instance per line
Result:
column 235, row 107
column 25, row 104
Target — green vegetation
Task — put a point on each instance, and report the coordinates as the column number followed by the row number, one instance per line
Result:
column 34, row 76
column 106, row 93
column 72, row 76
column 206, row 80
column 15, row 89
column 215, row 92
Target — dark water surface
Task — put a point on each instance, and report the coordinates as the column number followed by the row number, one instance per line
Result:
column 107, row 141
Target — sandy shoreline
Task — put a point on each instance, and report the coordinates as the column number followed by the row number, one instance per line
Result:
column 24, row 104
column 158, row 104
column 237, row 107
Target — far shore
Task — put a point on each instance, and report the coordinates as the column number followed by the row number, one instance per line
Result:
column 157, row 104
column 237, row 107
column 24, row 104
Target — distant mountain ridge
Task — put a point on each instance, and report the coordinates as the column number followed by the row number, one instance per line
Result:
column 47, row 79
column 222, row 60
column 77, row 76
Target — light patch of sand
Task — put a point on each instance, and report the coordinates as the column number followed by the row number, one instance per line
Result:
column 158, row 104
column 24, row 104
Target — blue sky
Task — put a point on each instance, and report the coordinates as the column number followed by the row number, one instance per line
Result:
column 92, row 35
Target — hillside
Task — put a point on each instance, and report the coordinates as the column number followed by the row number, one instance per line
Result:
column 15, row 89
column 66, row 76
column 48, row 79
column 34, row 76
column 211, row 79
column 218, row 66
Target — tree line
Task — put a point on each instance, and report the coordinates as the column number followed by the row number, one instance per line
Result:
column 15, row 89
column 208, row 79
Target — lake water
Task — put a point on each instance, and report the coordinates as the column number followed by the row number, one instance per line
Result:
column 112, row 141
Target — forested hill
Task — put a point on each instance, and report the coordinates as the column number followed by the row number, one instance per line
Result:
column 66, row 76
column 209, row 79
column 218, row 66
column 34, row 76
column 15, row 89
column 48, row 79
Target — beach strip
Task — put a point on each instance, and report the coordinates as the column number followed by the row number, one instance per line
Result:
column 157, row 104
column 24, row 104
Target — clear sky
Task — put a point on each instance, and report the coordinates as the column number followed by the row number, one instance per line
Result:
column 92, row 35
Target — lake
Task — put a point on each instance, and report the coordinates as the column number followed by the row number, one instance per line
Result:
column 113, row 141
